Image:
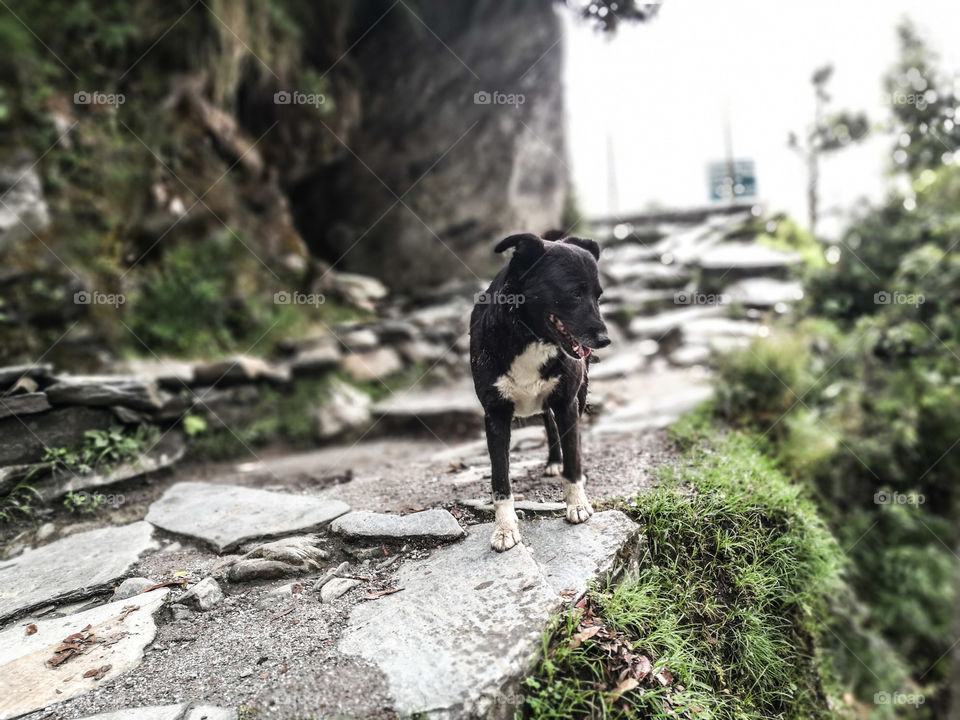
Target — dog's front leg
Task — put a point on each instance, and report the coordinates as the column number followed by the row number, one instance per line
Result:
column 506, row 533
column 574, row 495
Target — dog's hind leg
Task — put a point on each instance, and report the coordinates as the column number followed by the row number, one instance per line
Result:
column 506, row 532
column 554, row 458
column 574, row 495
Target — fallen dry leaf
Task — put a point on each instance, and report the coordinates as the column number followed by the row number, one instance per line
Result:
column 664, row 677
column 380, row 593
column 626, row 685
column 484, row 585
column 127, row 609
column 97, row 673
column 180, row 581
column 75, row 644
column 31, row 629
column 584, row 634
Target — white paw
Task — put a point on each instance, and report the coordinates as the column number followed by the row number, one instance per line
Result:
column 504, row 538
column 552, row 469
column 506, row 534
column 579, row 513
column 578, row 506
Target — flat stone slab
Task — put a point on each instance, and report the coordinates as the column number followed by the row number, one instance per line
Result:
column 28, row 682
column 477, row 615
column 224, row 516
column 435, row 524
column 72, row 568
column 25, row 404
column 139, row 393
column 183, row 711
column 168, row 450
column 746, row 256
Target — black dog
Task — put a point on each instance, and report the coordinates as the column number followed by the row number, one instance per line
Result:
column 530, row 336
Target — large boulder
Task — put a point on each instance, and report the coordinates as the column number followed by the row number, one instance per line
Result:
column 468, row 119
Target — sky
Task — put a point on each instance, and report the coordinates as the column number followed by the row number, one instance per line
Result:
column 657, row 94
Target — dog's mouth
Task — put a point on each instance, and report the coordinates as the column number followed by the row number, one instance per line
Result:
column 570, row 345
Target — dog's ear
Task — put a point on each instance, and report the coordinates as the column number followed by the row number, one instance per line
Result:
column 528, row 249
column 587, row 244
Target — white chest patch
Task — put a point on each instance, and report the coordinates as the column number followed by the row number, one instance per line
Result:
column 522, row 384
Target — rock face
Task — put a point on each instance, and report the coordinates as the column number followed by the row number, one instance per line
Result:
column 226, row 515
column 433, row 524
column 25, row 439
column 442, row 163
column 71, row 568
column 470, row 627
column 24, row 210
column 117, row 638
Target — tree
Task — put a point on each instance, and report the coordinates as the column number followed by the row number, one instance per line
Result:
column 828, row 133
column 926, row 116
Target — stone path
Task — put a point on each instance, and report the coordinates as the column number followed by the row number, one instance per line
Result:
column 355, row 580
column 464, row 652
column 110, row 640
column 72, row 568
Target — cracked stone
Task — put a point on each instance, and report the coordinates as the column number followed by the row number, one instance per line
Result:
column 224, row 516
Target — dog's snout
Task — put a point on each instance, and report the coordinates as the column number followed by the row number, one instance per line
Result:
column 599, row 337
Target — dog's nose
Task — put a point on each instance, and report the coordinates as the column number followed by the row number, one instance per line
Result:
column 602, row 340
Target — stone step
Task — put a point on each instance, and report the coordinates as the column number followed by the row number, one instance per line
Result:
column 459, row 637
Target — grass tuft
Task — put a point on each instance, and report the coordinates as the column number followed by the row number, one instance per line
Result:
column 731, row 600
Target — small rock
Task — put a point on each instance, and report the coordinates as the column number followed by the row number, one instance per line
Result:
column 329, row 575
column 132, row 586
column 435, row 524
column 337, row 587
column 359, row 339
column 360, row 290
column 239, row 369
column 347, row 408
column 46, row 531
column 181, row 612
column 206, row 595
column 373, row 365
column 280, row 558
column 259, row 569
